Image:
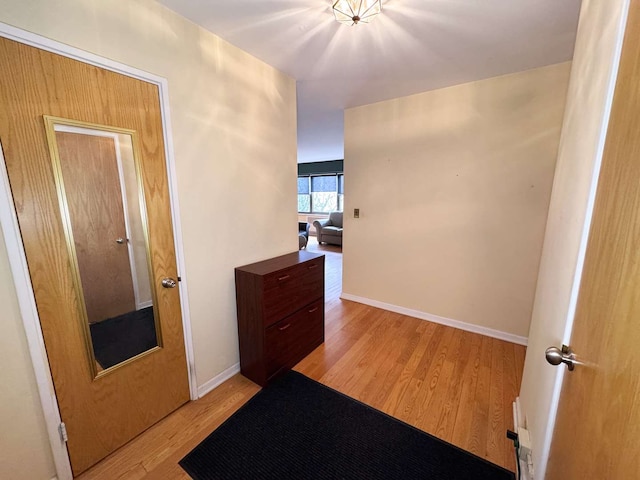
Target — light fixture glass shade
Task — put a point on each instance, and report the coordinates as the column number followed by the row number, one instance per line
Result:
column 352, row 12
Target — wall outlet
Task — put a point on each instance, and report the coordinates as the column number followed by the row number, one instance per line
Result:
column 356, row 213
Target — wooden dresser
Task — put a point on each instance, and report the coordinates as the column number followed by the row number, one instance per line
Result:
column 280, row 305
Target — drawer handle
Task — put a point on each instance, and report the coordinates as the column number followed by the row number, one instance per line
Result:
column 311, row 267
column 284, row 327
column 313, row 309
column 283, row 278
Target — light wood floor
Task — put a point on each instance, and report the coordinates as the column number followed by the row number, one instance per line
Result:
column 456, row 385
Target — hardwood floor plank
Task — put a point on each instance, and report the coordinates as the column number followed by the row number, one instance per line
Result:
column 356, row 365
column 391, row 366
column 461, row 435
column 409, row 368
column 372, row 388
column 446, row 416
column 435, row 412
column 402, row 409
column 519, row 353
column 325, row 356
column 344, row 369
column 430, row 382
column 510, row 384
column 479, row 432
column 345, row 317
column 495, row 424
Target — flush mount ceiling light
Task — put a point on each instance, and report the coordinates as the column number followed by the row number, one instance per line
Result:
column 352, row 12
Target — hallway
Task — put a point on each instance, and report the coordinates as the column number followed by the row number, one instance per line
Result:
column 456, row 385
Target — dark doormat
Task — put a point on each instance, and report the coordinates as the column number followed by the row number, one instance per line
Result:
column 119, row 338
column 298, row 429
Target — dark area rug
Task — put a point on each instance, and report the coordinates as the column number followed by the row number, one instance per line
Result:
column 120, row 338
column 297, row 428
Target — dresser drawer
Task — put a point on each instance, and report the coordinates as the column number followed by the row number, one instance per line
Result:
column 290, row 289
column 280, row 304
column 290, row 340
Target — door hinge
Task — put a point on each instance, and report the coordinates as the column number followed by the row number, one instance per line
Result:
column 63, row 432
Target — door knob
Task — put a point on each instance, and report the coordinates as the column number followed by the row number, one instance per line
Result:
column 556, row 356
column 169, row 283
column 120, row 240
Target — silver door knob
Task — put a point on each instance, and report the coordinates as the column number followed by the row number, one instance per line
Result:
column 120, row 240
column 556, row 356
column 169, row 283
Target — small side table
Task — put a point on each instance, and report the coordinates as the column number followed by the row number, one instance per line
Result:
column 302, row 240
column 303, row 234
column 303, row 227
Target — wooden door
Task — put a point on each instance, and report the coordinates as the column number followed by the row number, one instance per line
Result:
column 94, row 194
column 597, row 430
column 101, row 412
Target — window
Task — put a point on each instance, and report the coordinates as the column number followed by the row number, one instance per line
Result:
column 304, row 197
column 320, row 193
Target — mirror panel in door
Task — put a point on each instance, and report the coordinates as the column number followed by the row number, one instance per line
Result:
column 102, row 204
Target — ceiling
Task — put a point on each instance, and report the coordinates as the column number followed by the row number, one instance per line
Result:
column 412, row 47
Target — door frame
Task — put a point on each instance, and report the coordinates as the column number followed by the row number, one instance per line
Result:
column 18, row 259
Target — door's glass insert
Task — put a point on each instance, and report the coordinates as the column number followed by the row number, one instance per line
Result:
column 101, row 197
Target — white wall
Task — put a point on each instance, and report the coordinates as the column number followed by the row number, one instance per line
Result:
column 24, row 445
column 588, row 103
column 234, row 131
column 453, row 187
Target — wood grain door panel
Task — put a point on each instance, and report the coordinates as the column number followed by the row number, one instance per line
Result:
column 598, row 423
column 104, row 413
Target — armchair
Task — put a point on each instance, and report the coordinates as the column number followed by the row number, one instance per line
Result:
column 330, row 230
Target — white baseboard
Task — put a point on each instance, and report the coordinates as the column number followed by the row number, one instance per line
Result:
column 469, row 327
column 206, row 387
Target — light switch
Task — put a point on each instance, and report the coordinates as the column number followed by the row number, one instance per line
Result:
column 356, row 213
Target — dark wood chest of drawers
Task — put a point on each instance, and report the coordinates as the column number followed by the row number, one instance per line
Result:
column 280, row 305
